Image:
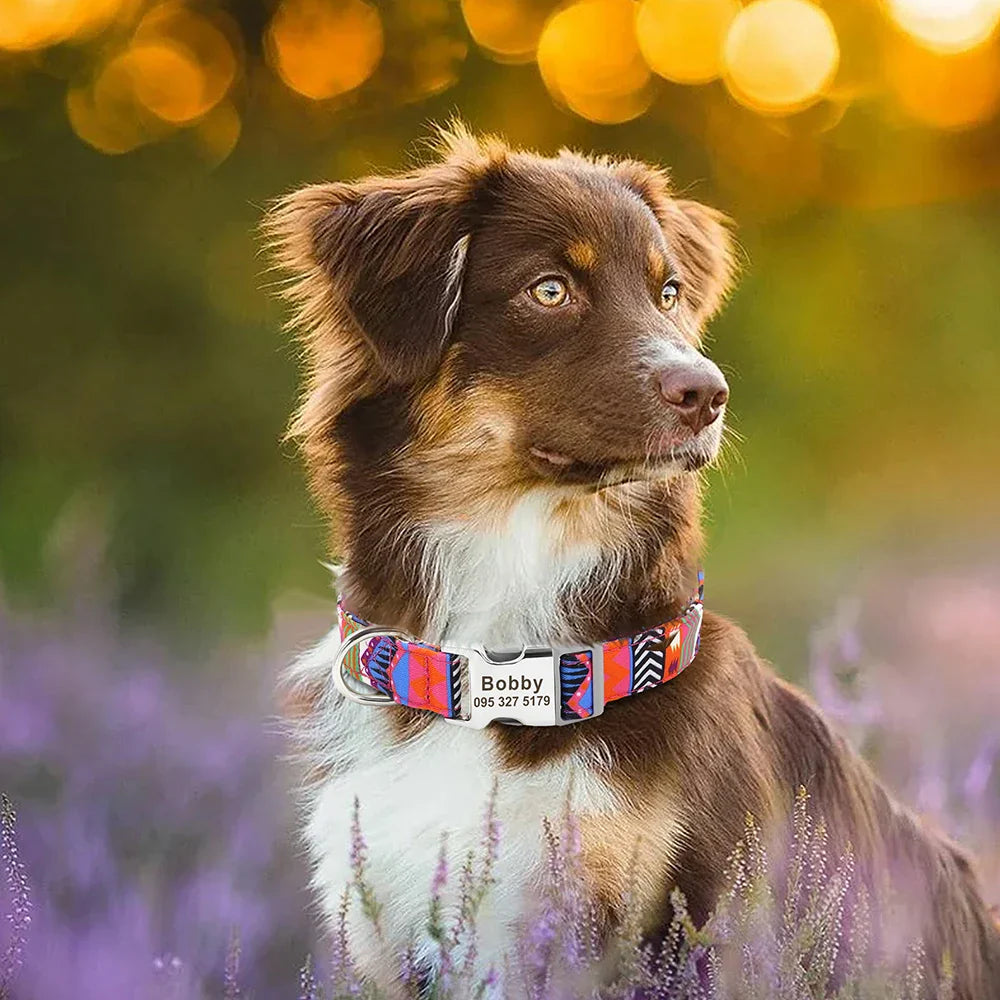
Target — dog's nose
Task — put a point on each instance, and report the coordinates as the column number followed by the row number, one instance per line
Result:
column 696, row 393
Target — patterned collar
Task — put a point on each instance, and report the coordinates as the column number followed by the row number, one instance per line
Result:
column 533, row 686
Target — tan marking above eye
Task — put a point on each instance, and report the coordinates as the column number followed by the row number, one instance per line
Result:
column 582, row 254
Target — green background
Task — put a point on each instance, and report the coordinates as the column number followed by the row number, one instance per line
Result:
column 145, row 380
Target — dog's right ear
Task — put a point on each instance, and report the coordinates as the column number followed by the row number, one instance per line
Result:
column 387, row 253
column 702, row 236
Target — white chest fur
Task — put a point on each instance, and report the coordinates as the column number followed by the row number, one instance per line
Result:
column 496, row 583
column 411, row 794
column 501, row 582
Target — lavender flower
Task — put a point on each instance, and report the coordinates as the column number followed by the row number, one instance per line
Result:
column 344, row 978
column 370, row 906
column 154, row 818
column 231, row 975
column 153, row 813
column 19, row 899
column 308, row 987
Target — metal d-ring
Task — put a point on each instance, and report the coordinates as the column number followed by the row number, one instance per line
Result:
column 342, row 679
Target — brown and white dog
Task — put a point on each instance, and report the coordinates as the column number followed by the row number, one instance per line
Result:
column 505, row 413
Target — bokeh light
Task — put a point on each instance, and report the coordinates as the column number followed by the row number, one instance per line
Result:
column 435, row 65
column 950, row 91
column 590, row 60
column 508, row 29
column 218, row 132
column 176, row 68
column 947, row 25
column 106, row 113
column 321, row 49
column 682, row 39
column 167, row 81
column 170, row 63
column 784, row 167
column 780, row 55
column 34, row 24
column 184, row 63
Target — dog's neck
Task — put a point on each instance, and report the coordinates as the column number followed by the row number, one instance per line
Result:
column 548, row 566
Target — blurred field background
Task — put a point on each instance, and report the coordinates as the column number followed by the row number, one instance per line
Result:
column 156, row 542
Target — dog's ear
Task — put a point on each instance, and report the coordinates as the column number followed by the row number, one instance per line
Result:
column 387, row 253
column 704, row 236
column 392, row 251
column 701, row 236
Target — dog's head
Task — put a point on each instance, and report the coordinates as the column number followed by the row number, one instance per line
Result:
column 499, row 320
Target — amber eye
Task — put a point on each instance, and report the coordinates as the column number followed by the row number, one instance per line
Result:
column 550, row 292
column 670, row 294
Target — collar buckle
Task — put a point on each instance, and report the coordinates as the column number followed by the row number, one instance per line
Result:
column 518, row 687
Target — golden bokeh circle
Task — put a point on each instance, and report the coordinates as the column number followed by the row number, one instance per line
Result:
column 95, row 128
column 106, row 114
column 32, row 24
column 780, row 56
column 218, row 132
column 507, row 29
column 590, row 60
column 323, row 48
column 196, row 41
column 168, row 81
column 946, row 25
column 945, row 90
column 682, row 40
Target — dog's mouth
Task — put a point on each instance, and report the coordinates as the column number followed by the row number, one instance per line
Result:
column 688, row 456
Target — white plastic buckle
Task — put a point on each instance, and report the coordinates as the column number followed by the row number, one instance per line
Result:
column 519, row 687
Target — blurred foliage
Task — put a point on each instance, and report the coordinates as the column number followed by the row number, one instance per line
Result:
column 145, row 383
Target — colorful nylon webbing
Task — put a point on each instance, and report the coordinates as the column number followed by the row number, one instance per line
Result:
column 419, row 675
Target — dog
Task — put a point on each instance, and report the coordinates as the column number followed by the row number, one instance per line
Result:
column 505, row 412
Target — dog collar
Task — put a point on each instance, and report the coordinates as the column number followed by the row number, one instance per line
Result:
column 532, row 686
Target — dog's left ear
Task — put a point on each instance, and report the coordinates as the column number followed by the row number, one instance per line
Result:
column 701, row 237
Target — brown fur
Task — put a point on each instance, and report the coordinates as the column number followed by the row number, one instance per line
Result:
column 413, row 414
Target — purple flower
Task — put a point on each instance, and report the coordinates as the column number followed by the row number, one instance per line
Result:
column 154, row 812
column 19, row 899
column 154, row 816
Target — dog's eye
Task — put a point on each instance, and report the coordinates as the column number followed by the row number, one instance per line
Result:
column 669, row 294
column 550, row 292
